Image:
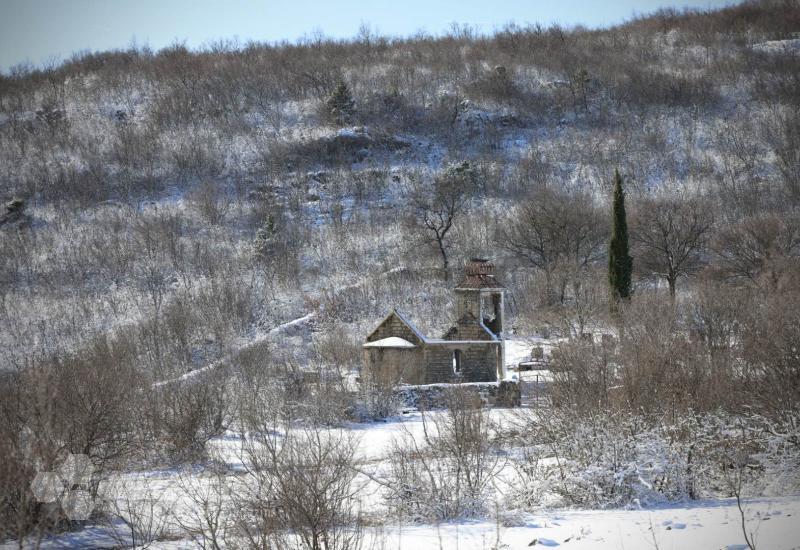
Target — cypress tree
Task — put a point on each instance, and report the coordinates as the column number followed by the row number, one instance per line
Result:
column 620, row 262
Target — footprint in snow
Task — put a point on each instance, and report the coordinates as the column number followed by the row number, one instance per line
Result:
column 543, row 542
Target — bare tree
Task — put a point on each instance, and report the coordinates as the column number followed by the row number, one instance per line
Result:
column 761, row 249
column 556, row 227
column 303, row 484
column 671, row 233
column 22, row 516
column 437, row 207
column 210, row 201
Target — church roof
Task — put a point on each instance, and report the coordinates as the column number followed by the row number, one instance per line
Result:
column 403, row 319
column 390, row 342
column 478, row 274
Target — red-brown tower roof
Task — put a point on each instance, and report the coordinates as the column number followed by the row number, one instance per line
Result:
column 478, row 274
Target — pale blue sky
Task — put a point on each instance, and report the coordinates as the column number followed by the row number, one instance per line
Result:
column 37, row 31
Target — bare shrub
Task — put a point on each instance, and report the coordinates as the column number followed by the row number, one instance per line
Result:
column 447, row 472
column 211, row 201
column 670, row 358
column 140, row 510
column 337, row 348
column 187, row 413
column 647, row 86
column 301, row 483
column 769, row 340
column 497, row 85
column 658, row 369
column 208, row 518
column 606, row 460
column 582, row 377
column 197, row 157
column 781, row 132
column 716, row 318
column 377, row 399
column 299, row 489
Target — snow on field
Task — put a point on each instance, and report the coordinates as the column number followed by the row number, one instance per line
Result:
column 374, row 439
column 697, row 524
column 519, row 350
column 700, row 525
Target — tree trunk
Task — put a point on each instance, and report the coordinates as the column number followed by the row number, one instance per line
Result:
column 445, row 261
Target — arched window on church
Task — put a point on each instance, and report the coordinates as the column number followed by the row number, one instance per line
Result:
column 457, row 361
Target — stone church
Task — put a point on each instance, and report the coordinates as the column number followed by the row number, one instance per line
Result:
column 472, row 350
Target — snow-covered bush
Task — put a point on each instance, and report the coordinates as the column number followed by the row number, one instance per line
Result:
column 446, row 472
column 621, row 459
column 607, row 460
column 766, row 451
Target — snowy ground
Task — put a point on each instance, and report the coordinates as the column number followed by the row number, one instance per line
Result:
column 698, row 524
column 701, row 525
